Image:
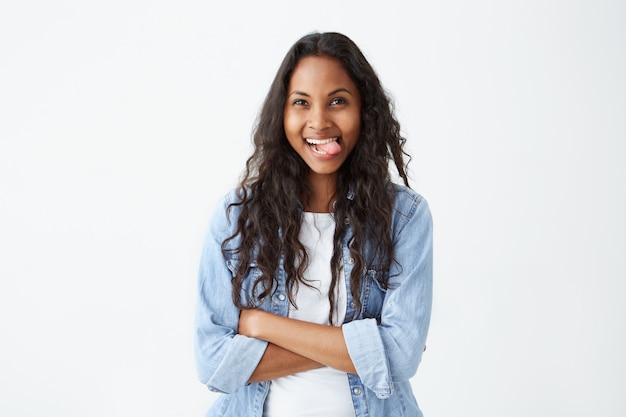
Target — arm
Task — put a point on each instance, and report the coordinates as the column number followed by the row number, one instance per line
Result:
column 317, row 342
column 278, row 362
column 392, row 349
column 225, row 360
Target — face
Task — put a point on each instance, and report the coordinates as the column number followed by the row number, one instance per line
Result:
column 322, row 115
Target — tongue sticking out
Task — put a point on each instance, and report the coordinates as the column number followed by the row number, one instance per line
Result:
column 330, row 148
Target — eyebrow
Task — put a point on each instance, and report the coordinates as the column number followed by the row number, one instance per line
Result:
column 339, row 90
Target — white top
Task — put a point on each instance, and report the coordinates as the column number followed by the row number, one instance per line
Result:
column 324, row 391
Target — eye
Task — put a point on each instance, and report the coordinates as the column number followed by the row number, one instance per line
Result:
column 299, row 102
column 337, row 101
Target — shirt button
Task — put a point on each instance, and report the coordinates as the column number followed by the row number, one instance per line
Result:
column 351, row 260
column 357, row 391
column 346, row 221
column 353, row 304
column 281, row 297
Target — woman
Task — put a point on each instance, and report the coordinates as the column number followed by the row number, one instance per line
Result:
column 315, row 283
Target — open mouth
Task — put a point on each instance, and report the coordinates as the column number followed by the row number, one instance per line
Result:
column 330, row 146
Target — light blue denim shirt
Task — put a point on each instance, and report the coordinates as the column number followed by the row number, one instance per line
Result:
column 385, row 339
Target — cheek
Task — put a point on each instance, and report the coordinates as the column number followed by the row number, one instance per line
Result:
column 355, row 115
column 290, row 124
column 357, row 127
column 292, row 132
column 354, row 125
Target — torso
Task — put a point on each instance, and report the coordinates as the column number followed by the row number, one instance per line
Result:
column 324, row 391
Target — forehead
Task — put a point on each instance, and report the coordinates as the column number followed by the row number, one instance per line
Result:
column 320, row 72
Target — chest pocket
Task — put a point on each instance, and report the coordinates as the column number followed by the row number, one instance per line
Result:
column 253, row 273
column 373, row 295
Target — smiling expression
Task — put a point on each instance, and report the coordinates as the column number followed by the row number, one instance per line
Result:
column 322, row 116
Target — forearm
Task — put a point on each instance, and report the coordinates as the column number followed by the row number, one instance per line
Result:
column 319, row 343
column 278, row 362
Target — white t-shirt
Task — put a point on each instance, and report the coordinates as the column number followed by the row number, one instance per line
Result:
column 324, row 391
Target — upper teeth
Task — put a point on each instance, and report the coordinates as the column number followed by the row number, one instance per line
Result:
column 320, row 141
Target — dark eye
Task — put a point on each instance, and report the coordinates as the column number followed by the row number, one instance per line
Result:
column 299, row 102
column 337, row 101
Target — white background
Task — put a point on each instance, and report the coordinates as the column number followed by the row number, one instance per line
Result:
column 123, row 122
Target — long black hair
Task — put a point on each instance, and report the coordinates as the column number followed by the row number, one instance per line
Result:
column 273, row 184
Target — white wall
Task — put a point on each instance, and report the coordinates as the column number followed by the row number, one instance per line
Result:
column 122, row 122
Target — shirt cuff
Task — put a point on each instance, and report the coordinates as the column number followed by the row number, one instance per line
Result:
column 238, row 364
column 367, row 352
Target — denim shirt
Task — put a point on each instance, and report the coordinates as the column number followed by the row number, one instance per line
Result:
column 385, row 339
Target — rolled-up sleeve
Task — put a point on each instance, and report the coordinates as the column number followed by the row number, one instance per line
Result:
column 391, row 350
column 225, row 360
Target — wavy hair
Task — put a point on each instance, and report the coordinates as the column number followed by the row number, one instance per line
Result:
column 273, row 185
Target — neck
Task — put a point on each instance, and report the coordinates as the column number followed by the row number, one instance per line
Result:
column 323, row 191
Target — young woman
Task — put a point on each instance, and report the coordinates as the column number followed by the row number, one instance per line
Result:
column 315, row 284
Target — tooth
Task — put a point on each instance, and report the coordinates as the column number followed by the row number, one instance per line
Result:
column 320, row 141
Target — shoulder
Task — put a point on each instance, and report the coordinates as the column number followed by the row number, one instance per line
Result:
column 226, row 212
column 407, row 202
column 231, row 200
column 410, row 211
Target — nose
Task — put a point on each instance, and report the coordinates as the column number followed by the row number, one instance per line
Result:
column 318, row 118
